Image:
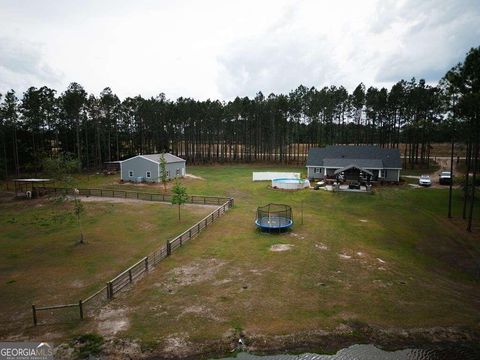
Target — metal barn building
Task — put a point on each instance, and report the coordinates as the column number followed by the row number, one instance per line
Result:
column 146, row 168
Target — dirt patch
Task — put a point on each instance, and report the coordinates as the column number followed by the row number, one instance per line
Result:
column 193, row 273
column 77, row 284
column 344, row 256
column 199, row 311
column 298, row 236
column 321, row 246
column 177, row 346
column 281, row 247
column 191, row 176
column 111, row 321
column 134, row 201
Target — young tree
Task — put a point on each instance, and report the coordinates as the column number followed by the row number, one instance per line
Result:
column 163, row 172
column 78, row 210
column 180, row 196
column 60, row 168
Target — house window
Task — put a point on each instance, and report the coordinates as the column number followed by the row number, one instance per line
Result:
column 178, row 172
column 149, row 174
column 168, row 174
column 130, row 173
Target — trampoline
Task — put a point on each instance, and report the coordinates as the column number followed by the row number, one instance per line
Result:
column 274, row 217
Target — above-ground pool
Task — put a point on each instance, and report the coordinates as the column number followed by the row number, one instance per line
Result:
column 290, row 183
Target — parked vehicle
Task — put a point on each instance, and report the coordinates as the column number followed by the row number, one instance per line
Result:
column 445, row 178
column 354, row 185
column 425, row 180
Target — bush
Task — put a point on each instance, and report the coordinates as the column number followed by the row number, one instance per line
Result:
column 87, row 344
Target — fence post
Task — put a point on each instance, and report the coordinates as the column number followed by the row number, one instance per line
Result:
column 190, row 233
column 137, row 195
column 125, row 194
column 206, row 221
column 34, row 311
column 80, row 306
column 110, row 289
column 146, row 262
column 101, row 193
column 151, row 197
column 169, row 248
column 130, row 275
column 198, row 230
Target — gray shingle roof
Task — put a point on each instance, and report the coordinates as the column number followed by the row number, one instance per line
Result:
column 362, row 163
column 365, row 156
column 170, row 158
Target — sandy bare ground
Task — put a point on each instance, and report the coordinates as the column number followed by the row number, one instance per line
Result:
column 132, row 201
column 191, row 176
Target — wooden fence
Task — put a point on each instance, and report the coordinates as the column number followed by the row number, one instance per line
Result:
column 127, row 194
column 86, row 306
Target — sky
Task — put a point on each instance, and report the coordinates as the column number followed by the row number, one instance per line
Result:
column 220, row 49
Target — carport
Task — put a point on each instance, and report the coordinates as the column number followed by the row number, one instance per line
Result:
column 22, row 186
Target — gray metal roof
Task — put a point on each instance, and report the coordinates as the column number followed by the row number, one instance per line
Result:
column 365, row 156
column 170, row 158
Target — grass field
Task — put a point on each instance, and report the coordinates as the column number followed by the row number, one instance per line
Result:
column 42, row 262
column 391, row 259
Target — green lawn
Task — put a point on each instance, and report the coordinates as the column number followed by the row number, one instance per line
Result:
column 41, row 261
column 391, row 259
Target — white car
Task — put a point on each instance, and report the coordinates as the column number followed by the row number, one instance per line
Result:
column 424, row 180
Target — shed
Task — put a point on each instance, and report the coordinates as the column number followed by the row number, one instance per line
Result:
column 23, row 186
column 142, row 168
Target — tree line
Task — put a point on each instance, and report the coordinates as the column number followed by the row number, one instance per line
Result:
column 94, row 129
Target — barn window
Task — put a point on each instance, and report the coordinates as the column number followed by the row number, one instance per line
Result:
column 130, row 173
column 149, row 174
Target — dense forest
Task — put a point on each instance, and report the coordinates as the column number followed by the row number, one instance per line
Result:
column 93, row 129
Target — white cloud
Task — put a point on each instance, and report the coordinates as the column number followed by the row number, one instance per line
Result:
column 220, row 49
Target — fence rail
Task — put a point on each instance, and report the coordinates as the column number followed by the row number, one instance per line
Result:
column 128, row 194
column 86, row 306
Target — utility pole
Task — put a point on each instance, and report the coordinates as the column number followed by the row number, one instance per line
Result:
column 451, row 177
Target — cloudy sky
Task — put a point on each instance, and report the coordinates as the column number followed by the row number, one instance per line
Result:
column 222, row 49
